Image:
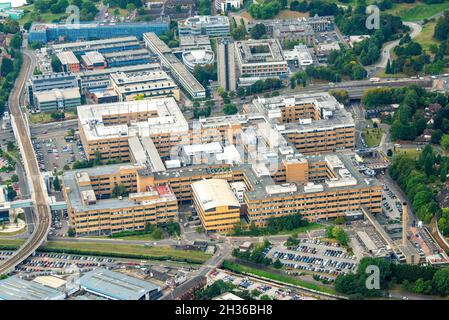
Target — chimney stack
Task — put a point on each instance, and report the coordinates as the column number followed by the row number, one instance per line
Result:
column 404, row 223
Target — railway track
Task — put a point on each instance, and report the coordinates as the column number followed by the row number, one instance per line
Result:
column 41, row 210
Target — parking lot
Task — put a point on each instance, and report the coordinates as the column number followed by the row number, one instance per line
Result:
column 391, row 205
column 249, row 283
column 51, row 263
column 314, row 256
column 55, row 153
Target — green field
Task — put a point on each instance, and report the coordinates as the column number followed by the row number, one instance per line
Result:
column 116, row 250
column 44, row 17
column 239, row 268
column 412, row 153
column 417, row 12
column 425, row 38
column 372, row 136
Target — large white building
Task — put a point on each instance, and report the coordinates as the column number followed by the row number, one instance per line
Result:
column 204, row 25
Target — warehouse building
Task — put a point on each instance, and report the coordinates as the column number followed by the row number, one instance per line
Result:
column 14, row 288
column 178, row 71
column 102, row 46
column 118, row 286
column 69, row 61
column 204, row 25
column 57, row 99
column 93, row 60
column 43, row 33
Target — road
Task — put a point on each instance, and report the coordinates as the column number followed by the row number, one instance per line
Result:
column 41, row 211
column 416, row 28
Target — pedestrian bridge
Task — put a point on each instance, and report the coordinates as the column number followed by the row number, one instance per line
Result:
column 28, row 203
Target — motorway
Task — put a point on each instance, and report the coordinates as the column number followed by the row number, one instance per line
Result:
column 42, row 215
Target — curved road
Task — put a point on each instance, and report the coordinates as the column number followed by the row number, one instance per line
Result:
column 386, row 49
column 39, row 195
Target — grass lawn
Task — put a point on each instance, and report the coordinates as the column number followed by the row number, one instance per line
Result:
column 117, row 250
column 382, row 74
column 425, row 38
column 45, row 117
column 45, row 17
column 417, row 11
column 238, row 268
column 372, row 136
column 409, row 152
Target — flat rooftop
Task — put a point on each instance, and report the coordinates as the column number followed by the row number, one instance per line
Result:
column 213, row 193
column 115, row 285
column 259, row 51
column 94, row 44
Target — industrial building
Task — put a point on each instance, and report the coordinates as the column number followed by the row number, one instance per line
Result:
column 118, row 286
column 261, row 58
column 14, row 288
column 61, row 80
column 93, row 60
column 57, row 99
column 127, row 58
column 69, row 61
column 149, row 84
column 216, row 204
column 226, row 68
column 204, row 25
column 43, row 33
column 102, row 46
column 178, row 71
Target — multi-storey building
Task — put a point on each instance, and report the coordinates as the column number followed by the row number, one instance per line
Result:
column 178, row 71
column 44, row 33
column 204, row 25
column 216, row 204
column 317, row 23
column 69, row 61
column 93, row 60
column 62, row 80
column 57, row 99
column 127, row 58
column 226, row 69
column 150, row 84
column 102, row 46
column 260, row 58
column 95, row 207
column 277, row 177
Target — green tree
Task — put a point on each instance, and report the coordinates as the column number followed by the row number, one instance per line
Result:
column 56, row 184
column 258, row 31
column 7, row 66
column 277, row 264
column 444, row 142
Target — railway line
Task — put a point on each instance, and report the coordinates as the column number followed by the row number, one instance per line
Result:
column 41, row 211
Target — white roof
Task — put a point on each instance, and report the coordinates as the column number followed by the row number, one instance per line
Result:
column 213, row 193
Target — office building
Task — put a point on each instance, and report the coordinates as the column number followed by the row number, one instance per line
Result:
column 261, row 58
column 102, row 46
column 69, row 61
column 216, row 204
column 204, row 25
column 178, row 71
column 61, row 80
column 300, row 54
column 57, row 99
column 201, row 58
column 93, row 60
column 127, row 58
column 226, row 68
column 43, row 33
column 313, row 123
column 317, row 23
column 114, row 285
column 226, row 5
column 100, row 79
column 303, row 33
column 106, row 96
column 95, row 206
column 151, row 84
